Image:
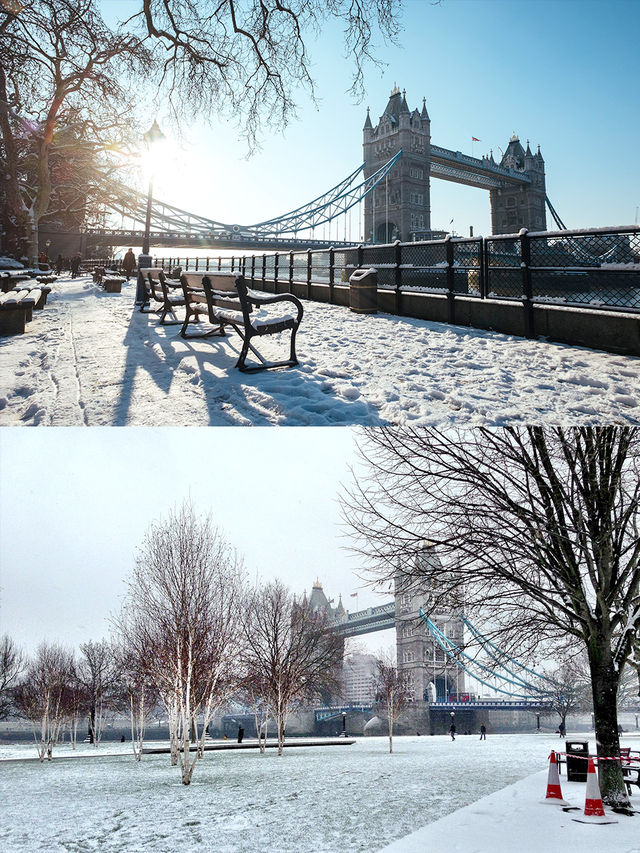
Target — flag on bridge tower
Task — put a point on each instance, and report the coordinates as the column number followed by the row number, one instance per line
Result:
column 475, row 139
column 354, row 595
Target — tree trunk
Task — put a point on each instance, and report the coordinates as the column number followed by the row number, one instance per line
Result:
column 604, row 683
column 390, row 733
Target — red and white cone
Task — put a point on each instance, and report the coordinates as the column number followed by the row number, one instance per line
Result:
column 593, row 809
column 554, row 793
column 593, row 801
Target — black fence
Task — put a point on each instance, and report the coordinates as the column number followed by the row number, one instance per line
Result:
column 598, row 268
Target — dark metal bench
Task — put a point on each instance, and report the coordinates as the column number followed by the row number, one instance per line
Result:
column 167, row 294
column 224, row 300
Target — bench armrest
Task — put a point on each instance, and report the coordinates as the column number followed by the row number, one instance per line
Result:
column 255, row 299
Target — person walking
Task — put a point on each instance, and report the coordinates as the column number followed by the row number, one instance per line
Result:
column 59, row 264
column 128, row 263
column 75, row 264
column 452, row 731
column 483, row 732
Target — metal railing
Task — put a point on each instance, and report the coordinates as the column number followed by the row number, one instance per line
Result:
column 596, row 268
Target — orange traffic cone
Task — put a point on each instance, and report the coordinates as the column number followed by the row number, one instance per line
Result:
column 554, row 793
column 593, row 809
column 593, row 800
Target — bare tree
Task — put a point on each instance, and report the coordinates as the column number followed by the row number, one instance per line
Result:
column 96, row 676
column 183, row 616
column 392, row 691
column 137, row 695
column 290, row 652
column 569, row 689
column 248, row 57
column 61, row 68
column 43, row 695
column 11, row 665
column 537, row 530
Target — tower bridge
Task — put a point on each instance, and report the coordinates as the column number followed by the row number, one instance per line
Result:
column 390, row 191
column 433, row 649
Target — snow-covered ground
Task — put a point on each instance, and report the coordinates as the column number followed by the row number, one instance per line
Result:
column 320, row 799
column 90, row 359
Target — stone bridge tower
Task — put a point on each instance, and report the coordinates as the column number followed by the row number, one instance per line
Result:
column 516, row 206
column 399, row 207
column 418, row 653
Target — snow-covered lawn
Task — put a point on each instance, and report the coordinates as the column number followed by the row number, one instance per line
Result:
column 312, row 800
column 89, row 358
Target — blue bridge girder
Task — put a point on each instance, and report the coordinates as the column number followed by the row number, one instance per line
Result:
column 334, row 711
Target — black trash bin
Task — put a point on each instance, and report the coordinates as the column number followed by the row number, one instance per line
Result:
column 363, row 291
column 577, row 767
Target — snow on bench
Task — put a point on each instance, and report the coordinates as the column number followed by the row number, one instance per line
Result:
column 224, row 300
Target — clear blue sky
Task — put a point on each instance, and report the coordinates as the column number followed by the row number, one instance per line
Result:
column 75, row 504
column 561, row 73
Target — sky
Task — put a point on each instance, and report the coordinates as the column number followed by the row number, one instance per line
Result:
column 75, row 504
column 561, row 73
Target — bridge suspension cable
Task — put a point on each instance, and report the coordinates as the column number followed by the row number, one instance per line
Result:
column 553, row 213
column 174, row 220
column 512, row 684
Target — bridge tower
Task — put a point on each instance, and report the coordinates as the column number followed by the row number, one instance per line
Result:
column 516, row 206
column 418, row 653
column 399, row 208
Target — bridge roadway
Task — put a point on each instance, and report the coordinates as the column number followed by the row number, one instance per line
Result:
column 158, row 239
column 367, row 621
column 462, row 169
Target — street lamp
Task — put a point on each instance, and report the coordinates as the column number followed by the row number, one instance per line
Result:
column 151, row 139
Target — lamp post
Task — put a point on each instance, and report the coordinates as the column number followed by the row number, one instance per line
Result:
column 151, row 138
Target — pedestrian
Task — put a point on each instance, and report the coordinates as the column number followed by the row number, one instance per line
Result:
column 75, row 264
column 483, row 732
column 59, row 264
column 128, row 263
column 561, row 729
column 452, row 731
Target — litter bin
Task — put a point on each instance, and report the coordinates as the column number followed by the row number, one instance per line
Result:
column 363, row 291
column 577, row 767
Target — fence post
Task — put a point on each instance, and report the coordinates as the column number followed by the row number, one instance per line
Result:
column 276, row 263
column 332, row 272
column 253, row 268
column 360, row 260
column 309, row 257
column 451, row 303
column 197, row 259
column 290, row 272
column 233, row 263
column 264, row 269
column 482, row 262
column 219, row 263
column 527, row 292
column 397, row 259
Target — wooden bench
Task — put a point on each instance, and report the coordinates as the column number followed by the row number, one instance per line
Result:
column 16, row 310
column 9, row 278
column 43, row 290
column 224, row 300
column 168, row 294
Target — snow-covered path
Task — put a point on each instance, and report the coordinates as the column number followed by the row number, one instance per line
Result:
column 90, row 359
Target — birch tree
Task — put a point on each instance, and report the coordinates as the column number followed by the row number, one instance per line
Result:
column 290, row 652
column 536, row 529
column 43, row 695
column 392, row 691
column 184, row 607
